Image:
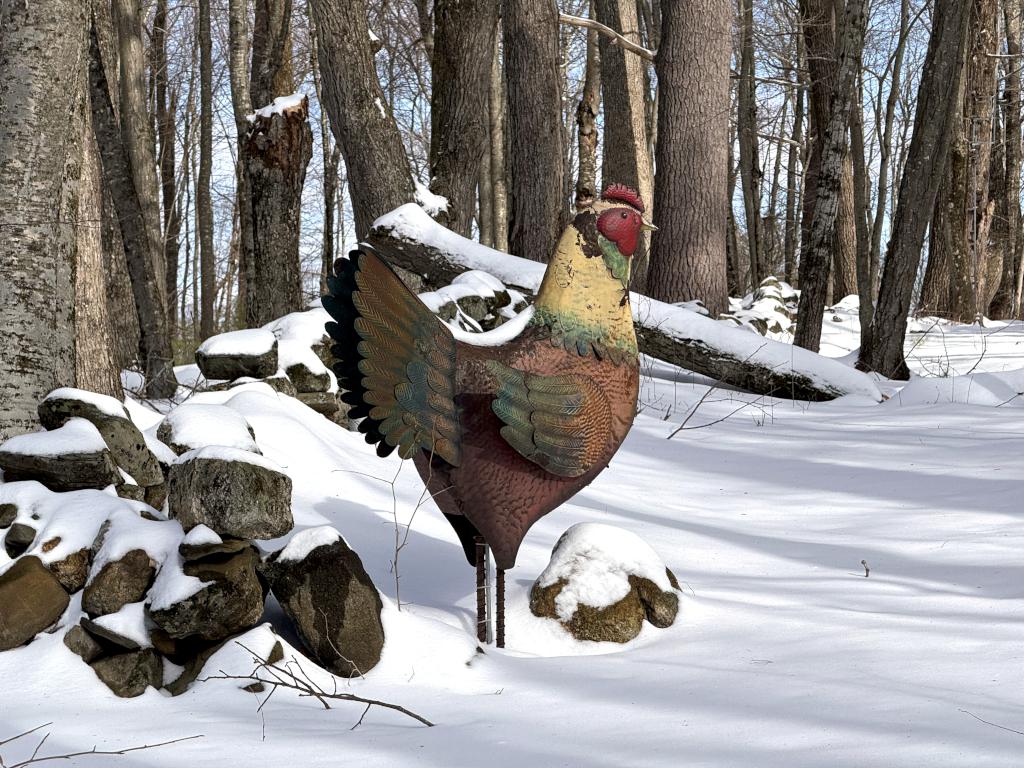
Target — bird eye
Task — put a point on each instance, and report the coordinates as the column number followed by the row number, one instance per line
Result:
column 624, row 215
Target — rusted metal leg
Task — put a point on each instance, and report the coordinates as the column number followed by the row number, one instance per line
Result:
column 481, row 590
column 500, row 608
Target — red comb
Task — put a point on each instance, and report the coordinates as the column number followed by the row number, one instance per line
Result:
column 623, row 194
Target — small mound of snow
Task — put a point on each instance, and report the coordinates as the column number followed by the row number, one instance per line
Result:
column 201, row 535
column 306, row 327
column 224, row 453
column 105, row 404
column 304, row 542
column 279, row 106
column 76, row 436
column 196, row 425
column 991, row 389
column 293, row 352
column 251, row 342
column 428, row 201
column 595, row 561
column 129, row 622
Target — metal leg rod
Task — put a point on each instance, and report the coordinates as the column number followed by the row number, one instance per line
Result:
column 481, row 590
column 501, row 608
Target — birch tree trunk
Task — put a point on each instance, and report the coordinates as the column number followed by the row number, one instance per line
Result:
column 688, row 252
column 882, row 350
column 43, row 50
column 499, row 194
column 536, row 161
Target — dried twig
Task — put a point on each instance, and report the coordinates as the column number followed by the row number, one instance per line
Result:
column 277, row 677
column 994, row 725
column 611, row 34
column 36, row 759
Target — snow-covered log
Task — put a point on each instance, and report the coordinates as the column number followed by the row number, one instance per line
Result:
column 409, row 238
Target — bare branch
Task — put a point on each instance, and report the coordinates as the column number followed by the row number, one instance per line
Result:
column 611, row 34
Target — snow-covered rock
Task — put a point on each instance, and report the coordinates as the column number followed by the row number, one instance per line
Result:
column 232, row 355
column 323, row 588
column 234, row 493
column 197, row 425
column 71, row 457
column 602, row 582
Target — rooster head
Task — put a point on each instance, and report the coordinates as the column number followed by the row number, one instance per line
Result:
column 620, row 218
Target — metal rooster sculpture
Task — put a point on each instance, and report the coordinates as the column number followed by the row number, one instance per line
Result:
column 500, row 435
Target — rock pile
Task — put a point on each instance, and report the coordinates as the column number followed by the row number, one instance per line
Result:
column 291, row 354
column 603, row 582
column 171, row 580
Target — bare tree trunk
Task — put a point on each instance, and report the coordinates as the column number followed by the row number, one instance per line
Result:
column 1005, row 304
column 750, row 165
column 885, row 144
column 96, row 367
column 936, row 112
column 271, row 51
column 331, row 161
column 379, row 175
column 461, row 70
column 627, row 157
column 42, row 56
column 792, row 234
column 688, row 252
column 499, row 196
column 207, row 258
column 144, row 265
column 485, row 203
column 536, row 160
column 735, row 273
column 120, row 302
column 824, row 222
column 586, row 122
column 165, row 122
column 279, row 147
column 241, row 104
column 136, row 126
column 861, row 202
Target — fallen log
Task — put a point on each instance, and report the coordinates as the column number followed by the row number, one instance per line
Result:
column 409, row 238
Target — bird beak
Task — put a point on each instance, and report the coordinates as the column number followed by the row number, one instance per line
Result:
column 646, row 226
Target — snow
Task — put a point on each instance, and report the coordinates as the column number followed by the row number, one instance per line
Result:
column 304, row 542
column 291, row 352
column 306, row 327
column 279, row 106
column 76, row 436
column 251, row 342
column 201, row 535
column 429, row 203
column 784, row 654
column 503, row 334
column 103, row 403
column 226, row 453
column 130, row 622
column 197, row 425
column 596, row 560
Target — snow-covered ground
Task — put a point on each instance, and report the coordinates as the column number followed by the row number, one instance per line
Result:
column 784, row 653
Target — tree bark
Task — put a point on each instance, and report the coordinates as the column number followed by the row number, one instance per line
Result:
column 1004, row 304
column 536, row 161
column 750, row 165
column 688, row 252
column 882, row 350
column 499, row 194
column 792, row 231
column 166, row 107
column 241, row 104
column 627, row 157
column 136, row 234
column 731, row 355
column 461, row 72
column 271, row 51
column 824, row 226
column 204, row 206
column 43, row 48
column 279, row 146
column 379, row 175
column 96, row 367
column 586, row 122
column 331, row 161
column 861, row 202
